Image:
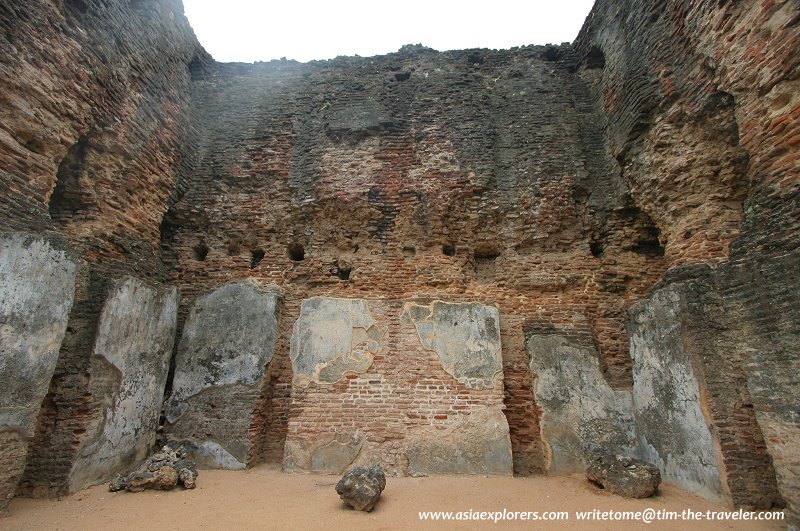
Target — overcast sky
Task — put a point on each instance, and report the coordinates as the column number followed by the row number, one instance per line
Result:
column 252, row 30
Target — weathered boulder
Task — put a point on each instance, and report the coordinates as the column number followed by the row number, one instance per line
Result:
column 625, row 476
column 361, row 487
column 164, row 478
column 164, row 470
column 226, row 346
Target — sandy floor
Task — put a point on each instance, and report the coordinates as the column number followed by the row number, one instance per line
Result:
column 265, row 498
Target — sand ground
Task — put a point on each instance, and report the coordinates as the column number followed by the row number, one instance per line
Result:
column 266, row 498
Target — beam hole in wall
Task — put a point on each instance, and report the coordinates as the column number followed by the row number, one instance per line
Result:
column 449, row 250
column 595, row 59
column 402, row 76
column 485, row 266
column 343, row 271
column 77, row 5
column 475, row 59
column 649, row 243
column 256, row 256
column 551, row 53
column 650, row 248
column 409, row 252
column 485, row 253
column 69, row 196
column 234, row 248
column 596, row 248
column 197, row 68
column 200, row 252
column 296, row 252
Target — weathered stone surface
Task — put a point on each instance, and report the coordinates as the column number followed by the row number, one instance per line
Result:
column 164, row 478
column 337, row 455
column 626, row 476
column 773, row 383
column 465, row 336
column 331, row 338
column 37, row 284
column 228, row 341
column 361, row 487
column 579, row 408
column 130, row 363
column 329, row 455
column 475, row 444
column 672, row 428
column 164, row 470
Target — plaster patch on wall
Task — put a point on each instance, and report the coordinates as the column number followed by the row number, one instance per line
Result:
column 333, row 337
column 37, row 289
column 130, row 362
column 331, row 455
column 478, row 443
column 673, row 432
column 227, row 343
column 465, row 336
column 580, row 410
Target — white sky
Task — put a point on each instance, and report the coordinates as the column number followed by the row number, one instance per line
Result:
column 252, row 30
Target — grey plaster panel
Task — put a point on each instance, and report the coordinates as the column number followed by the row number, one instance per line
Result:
column 579, row 408
column 465, row 336
column 478, row 443
column 227, row 343
column 331, row 338
column 37, row 288
column 673, row 432
column 130, row 363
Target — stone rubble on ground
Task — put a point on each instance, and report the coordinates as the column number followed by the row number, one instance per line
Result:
column 625, row 476
column 164, row 470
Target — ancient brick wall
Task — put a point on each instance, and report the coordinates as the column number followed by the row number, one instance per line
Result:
column 476, row 175
column 558, row 184
column 94, row 106
column 703, row 108
column 415, row 386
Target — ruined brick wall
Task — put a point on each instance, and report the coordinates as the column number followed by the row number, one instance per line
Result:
column 93, row 106
column 93, row 102
column 465, row 176
column 702, row 103
column 416, row 386
column 559, row 184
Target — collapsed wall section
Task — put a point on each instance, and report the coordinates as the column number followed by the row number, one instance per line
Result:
column 475, row 175
column 550, row 182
